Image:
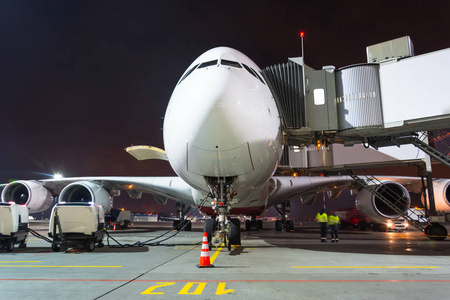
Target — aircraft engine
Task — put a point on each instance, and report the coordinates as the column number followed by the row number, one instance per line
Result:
column 441, row 189
column 373, row 207
column 29, row 193
column 86, row 192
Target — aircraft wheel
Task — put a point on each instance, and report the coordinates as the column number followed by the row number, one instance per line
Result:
column 278, row 225
column 209, row 227
column 436, row 232
column 89, row 245
column 259, row 224
column 234, row 237
column 176, row 224
column 248, row 225
column 188, row 226
column 290, row 225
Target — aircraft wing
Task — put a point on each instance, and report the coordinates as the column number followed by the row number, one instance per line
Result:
column 37, row 194
column 307, row 187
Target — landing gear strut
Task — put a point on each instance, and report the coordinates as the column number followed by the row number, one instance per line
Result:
column 182, row 224
column 284, row 210
column 221, row 230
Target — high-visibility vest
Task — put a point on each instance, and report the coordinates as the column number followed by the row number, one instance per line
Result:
column 333, row 220
column 321, row 217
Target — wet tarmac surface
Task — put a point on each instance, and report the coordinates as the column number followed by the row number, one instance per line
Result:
column 268, row 265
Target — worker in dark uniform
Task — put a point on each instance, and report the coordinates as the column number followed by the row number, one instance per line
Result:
column 333, row 222
column 322, row 219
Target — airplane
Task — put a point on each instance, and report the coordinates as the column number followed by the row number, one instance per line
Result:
column 223, row 138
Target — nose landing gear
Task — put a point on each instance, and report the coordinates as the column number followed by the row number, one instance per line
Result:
column 221, row 230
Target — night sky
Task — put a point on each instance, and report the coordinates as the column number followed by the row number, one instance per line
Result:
column 82, row 80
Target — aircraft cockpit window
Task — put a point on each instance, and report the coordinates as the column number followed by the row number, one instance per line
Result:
column 249, row 70
column 253, row 72
column 208, row 64
column 188, row 73
column 230, row 63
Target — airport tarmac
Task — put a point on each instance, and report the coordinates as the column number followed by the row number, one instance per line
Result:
column 269, row 265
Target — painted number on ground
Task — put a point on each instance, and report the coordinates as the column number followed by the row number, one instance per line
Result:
column 190, row 288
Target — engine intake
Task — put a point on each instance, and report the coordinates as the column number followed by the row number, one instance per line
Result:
column 86, row 192
column 373, row 207
column 29, row 193
column 441, row 189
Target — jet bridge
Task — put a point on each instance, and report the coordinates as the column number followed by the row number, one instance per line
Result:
column 381, row 103
column 395, row 94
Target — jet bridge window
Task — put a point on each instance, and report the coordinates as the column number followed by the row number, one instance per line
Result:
column 319, row 97
column 208, row 64
column 230, row 63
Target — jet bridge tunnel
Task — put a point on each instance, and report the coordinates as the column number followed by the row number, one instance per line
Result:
column 394, row 94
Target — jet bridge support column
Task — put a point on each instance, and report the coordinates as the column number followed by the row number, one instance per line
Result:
column 434, row 230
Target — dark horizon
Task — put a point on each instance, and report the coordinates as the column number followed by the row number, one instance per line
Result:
column 84, row 80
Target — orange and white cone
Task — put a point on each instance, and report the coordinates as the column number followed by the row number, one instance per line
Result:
column 204, row 255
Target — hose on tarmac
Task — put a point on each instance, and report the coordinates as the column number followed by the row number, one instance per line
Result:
column 155, row 241
column 150, row 242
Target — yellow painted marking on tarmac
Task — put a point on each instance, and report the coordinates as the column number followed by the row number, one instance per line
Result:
column 150, row 290
column 364, row 267
column 42, row 266
column 216, row 253
column 16, row 261
column 188, row 286
column 187, row 248
column 221, row 290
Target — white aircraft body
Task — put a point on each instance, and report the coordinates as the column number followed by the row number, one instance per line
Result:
column 223, row 138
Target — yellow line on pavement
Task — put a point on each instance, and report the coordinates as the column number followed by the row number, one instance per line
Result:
column 16, row 261
column 216, row 253
column 49, row 266
column 364, row 267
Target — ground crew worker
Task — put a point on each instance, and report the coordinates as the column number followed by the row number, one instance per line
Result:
column 322, row 218
column 333, row 222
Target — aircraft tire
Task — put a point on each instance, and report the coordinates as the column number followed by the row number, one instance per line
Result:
column 290, row 225
column 209, row 227
column 234, row 233
column 278, row 225
column 188, row 226
column 259, row 224
column 248, row 225
column 176, row 225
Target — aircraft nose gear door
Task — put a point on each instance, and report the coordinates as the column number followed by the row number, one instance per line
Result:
column 225, row 231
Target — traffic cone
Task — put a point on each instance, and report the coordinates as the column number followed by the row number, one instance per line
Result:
column 204, row 255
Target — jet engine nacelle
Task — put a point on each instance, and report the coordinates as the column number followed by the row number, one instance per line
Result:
column 29, row 193
column 441, row 188
column 373, row 207
column 86, row 192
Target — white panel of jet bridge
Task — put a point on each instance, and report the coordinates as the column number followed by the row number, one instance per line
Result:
column 416, row 90
column 358, row 155
column 338, row 156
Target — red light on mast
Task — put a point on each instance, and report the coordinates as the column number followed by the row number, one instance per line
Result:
column 302, row 34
